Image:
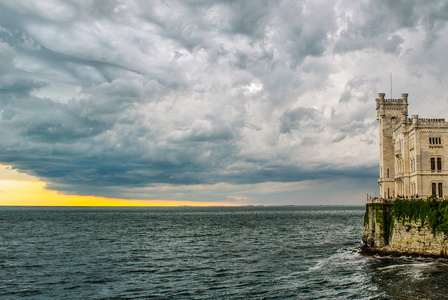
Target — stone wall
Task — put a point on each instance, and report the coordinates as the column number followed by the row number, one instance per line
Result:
column 384, row 234
column 376, row 230
column 412, row 237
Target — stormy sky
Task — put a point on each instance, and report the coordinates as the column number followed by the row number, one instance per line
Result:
column 249, row 102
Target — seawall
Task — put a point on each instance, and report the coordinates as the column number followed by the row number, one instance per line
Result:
column 406, row 227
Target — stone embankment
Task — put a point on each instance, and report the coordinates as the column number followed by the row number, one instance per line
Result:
column 406, row 227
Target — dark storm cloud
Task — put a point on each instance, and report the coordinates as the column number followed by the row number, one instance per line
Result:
column 18, row 87
column 296, row 118
column 376, row 21
column 42, row 120
column 6, row 58
column 109, row 97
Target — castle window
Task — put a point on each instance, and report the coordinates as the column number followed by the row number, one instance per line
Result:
column 433, row 164
column 387, row 173
column 437, row 189
column 435, row 140
column 439, row 163
column 413, row 188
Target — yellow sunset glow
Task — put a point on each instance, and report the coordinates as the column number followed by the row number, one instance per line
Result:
column 18, row 189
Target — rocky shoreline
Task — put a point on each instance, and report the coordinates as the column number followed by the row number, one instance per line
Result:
column 387, row 251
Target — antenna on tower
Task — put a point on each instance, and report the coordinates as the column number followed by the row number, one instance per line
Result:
column 391, row 97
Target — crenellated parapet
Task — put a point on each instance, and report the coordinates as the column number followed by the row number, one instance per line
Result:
column 393, row 107
column 383, row 100
column 439, row 121
column 425, row 122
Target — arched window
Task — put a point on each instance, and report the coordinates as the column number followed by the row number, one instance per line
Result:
column 440, row 189
column 433, row 164
column 439, row 163
column 434, row 188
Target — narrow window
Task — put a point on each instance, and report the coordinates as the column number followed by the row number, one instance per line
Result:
column 440, row 189
column 434, row 188
column 439, row 163
column 387, row 173
column 433, row 164
column 440, row 141
column 430, row 141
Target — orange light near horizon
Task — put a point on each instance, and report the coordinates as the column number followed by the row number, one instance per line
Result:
column 18, row 189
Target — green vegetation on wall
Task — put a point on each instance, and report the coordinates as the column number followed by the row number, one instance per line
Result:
column 385, row 219
column 366, row 216
column 431, row 211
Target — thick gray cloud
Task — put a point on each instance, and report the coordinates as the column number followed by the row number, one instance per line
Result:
column 197, row 99
column 6, row 58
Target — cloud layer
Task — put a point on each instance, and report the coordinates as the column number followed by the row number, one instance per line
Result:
column 144, row 99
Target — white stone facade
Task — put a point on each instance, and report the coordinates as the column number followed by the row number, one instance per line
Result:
column 413, row 151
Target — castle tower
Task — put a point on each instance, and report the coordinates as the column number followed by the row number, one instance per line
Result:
column 390, row 112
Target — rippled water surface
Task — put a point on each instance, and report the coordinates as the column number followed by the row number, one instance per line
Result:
column 202, row 253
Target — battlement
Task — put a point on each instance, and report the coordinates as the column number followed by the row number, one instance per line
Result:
column 432, row 120
column 416, row 121
column 382, row 100
column 392, row 108
column 391, row 101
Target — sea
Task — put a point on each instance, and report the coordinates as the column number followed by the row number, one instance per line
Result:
column 287, row 252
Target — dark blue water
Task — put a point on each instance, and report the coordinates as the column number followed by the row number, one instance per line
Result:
column 202, row 253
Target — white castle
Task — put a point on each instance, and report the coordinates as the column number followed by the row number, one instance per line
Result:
column 412, row 151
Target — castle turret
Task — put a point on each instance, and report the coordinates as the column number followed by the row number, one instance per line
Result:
column 405, row 97
column 389, row 113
